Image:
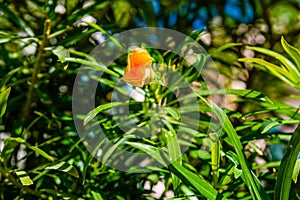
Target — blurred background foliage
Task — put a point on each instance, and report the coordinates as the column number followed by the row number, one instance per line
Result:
column 41, row 153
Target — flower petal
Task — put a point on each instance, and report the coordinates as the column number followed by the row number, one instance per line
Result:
column 139, row 71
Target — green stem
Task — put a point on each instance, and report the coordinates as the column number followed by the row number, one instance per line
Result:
column 215, row 162
column 19, row 185
column 5, row 172
column 36, row 69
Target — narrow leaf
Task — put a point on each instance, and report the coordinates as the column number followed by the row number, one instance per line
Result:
column 292, row 51
column 95, row 65
column 255, row 188
column 286, row 62
column 34, row 148
column 151, row 150
column 222, row 48
column 285, row 172
column 279, row 72
column 278, row 123
column 24, row 178
column 96, row 196
column 61, row 53
column 173, row 149
column 93, row 113
column 65, row 167
column 193, row 180
column 3, row 102
column 296, row 171
column 252, row 94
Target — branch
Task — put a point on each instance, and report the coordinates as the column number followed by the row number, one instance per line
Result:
column 36, row 68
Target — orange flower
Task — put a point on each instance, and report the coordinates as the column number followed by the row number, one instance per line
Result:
column 139, row 71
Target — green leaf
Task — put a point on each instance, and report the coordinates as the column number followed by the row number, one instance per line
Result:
column 65, row 167
column 61, row 53
column 148, row 11
column 289, row 66
column 279, row 72
column 227, row 178
column 215, row 159
column 17, row 20
column 73, row 39
column 242, row 93
column 173, row 149
column 24, row 178
column 222, row 48
column 34, row 148
column 123, row 12
column 286, row 169
column 278, row 123
column 3, row 102
column 193, row 180
column 188, row 192
column 151, row 150
column 95, row 65
column 108, row 153
column 199, row 64
column 172, row 142
column 96, row 196
column 254, row 186
column 296, row 170
column 292, row 52
column 6, row 37
column 93, row 113
column 174, row 112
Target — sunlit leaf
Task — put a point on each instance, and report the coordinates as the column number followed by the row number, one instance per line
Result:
column 93, row 113
column 61, row 53
column 95, row 65
column 24, row 178
column 286, row 169
column 150, row 150
column 222, row 48
column 279, row 123
column 254, row 187
column 198, row 65
column 193, row 180
column 279, row 72
column 34, row 148
column 296, row 171
column 3, row 102
column 292, row 52
column 285, row 61
column 64, row 167
column 242, row 93
column 96, row 196
column 123, row 12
